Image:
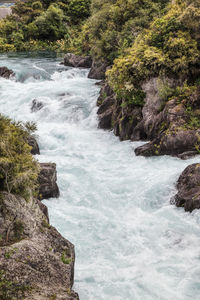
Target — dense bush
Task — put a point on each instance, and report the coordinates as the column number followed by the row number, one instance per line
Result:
column 169, row 47
column 18, row 169
column 45, row 24
column 114, row 25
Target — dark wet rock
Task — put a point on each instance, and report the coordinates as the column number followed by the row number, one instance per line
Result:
column 105, row 92
column 36, row 262
column 48, row 187
column 98, row 70
column 188, row 186
column 105, row 120
column 112, row 114
column 77, row 61
column 33, row 143
column 107, row 104
column 36, row 105
column 6, row 73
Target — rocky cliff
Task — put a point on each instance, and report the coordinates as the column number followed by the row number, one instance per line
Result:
column 36, row 262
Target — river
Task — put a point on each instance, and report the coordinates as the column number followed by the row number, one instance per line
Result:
column 130, row 243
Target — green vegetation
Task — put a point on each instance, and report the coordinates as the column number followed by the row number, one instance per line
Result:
column 170, row 47
column 18, row 169
column 65, row 259
column 114, row 25
column 42, row 25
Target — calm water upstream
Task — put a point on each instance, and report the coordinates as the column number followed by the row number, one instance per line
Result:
column 131, row 244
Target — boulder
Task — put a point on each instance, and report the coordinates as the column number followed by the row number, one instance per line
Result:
column 6, row 73
column 188, row 186
column 98, row 70
column 33, row 143
column 36, row 262
column 48, row 187
column 36, row 105
column 172, row 143
column 77, row 61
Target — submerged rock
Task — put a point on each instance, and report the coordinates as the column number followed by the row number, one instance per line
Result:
column 36, row 262
column 36, row 105
column 188, row 186
column 48, row 187
column 33, row 143
column 6, row 73
column 77, row 61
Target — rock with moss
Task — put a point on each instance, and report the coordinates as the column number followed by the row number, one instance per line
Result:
column 36, row 262
column 155, row 85
column 175, row 130
column 188, row 195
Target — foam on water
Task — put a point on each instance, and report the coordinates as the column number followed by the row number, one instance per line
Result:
column 131, row 244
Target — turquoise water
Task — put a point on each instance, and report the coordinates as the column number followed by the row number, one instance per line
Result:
column 131, row 244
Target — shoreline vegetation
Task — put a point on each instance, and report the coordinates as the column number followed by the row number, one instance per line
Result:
column 148, row 55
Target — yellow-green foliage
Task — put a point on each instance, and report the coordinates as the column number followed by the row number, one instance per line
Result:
column 113, row 25
column 170, row 47
column 42, row 25
column 18, row 169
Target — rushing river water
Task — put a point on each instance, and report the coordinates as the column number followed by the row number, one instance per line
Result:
column 131, row 244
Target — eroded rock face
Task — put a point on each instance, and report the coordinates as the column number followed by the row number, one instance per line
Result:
column 112, row 114
column 171, row 127
column 98, row 70
column 6, row 73
column 76, row 61
column 36, row 262
column 48, row 187
column 188, row 186
column 33, row 143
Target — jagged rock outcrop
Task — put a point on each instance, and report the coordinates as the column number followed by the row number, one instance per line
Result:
column 48, row 187
column 6, row 73
column 33, row 143
column 121, row 118
column 36, row 262
column 77, row 61
column 171, row 125
column 188, row 186
column 98, row 70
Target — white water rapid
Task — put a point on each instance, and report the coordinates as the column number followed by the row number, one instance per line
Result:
column 130, row 243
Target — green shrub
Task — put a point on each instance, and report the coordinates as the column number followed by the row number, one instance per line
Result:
column 167, row 48
column 18, row 169
column 114, row 25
